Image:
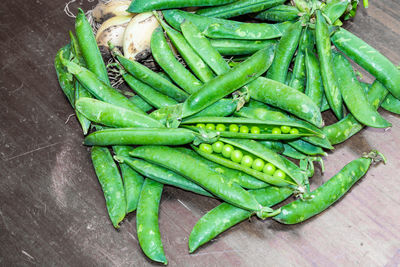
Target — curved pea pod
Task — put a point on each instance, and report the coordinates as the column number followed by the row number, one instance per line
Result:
column 262, row 128
column 307, row 148
column 111, row 183
column 148, row 231
column 225, row 216
column 65, row 79
column 112, row 115
column 238, row 8
column 354, row 95
column 273, row 145
column 284, row 97
column 139, row 6
column 391, row 104
column 335, row 9
column 162, row 175
column 140, row 136
column 241, row 178
column 228, row 82
column 133, row 181
column 222, row 108
column 201, row 174
column 314, row 87
column 292, row 152
column 230, row 47
column 369, row 58
column 327, row 194
column 279, row 13
column 349, row 126
column 294, row 177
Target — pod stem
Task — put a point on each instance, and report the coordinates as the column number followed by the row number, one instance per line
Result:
column 267, row 212
column 375, row 156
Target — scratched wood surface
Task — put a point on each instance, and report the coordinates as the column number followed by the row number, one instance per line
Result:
column 52, row 210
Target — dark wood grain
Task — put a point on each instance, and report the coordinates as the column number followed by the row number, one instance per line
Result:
column 52, row 210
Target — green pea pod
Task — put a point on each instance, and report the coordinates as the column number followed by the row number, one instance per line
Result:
column 273, row 145
column 241, row 178
column 222, row 108
column 113, row 116
column 228, row 47
column 238, row 8
column 327, row 194
column 279, row 13
column 201, row 174
column 76, row 49
column 140, row 136
column 133, row 181
column 99, row 89
column 331, row 88
column 152, row 79
column 162, row 175
column 204, row 48
column 354, row 96
column 324, row 105
column 166, row 59
column 150, row 95
column 226, row 216
column 314, row 87
column 139, row 6
column 279, row 95
column 65, row 79
column 349, row 126
column 307, row 148
column 291, row 152
column 228, row 82
column 391, row 104
column 335, row 9
column 89, row 48
column 284, row 52
column 141, row 103
column 369, row 58
column 81, row 92
column 148, row 231
column 111, row 183
column 254, row 129
column 192, row 59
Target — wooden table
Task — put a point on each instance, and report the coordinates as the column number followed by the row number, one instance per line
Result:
column 52, row 209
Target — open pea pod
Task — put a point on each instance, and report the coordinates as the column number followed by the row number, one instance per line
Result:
column 245, row 128
column 271, row 167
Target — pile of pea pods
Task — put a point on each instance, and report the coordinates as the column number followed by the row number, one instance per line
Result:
column 240, row 121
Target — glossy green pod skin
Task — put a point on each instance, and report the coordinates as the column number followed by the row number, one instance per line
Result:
column 391, row 104
column 273, row 145
column 222, row 108
column 204, row 48
column 99, row 89
column 65, row 79
column 153, row 79
column 133, row 181
column 279, row 13
column 139, row 6
column 150, row 95
column 140, row 136
column 354, row 95
column 331, row 87
column 230, row 47
column 112, row 115
column 284, row 97
column 291, row 152
column 369, row 58
column 225, row 216
column 228, row 82
column 335, row 9
column 141, row 103
column 238, row 8
column 163, row 55
column 325, row 195
column 201, row 174
column 81, row 92
column 284, row 52
column 264, row 126
column 241, row 178
column 314, row 87
column 111, row 183
column 162, row 175
column 90, row 50
column 307, row 148
column 148, row 231
column 349, row 126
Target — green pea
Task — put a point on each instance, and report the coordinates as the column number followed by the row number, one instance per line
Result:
column 294, row 131
column 279, row 174
column 227, row 151
column 269, row 169
column 220, row 127
column 233, row 128
column 206, row 148
column 276, row 131
column 218, row 146
column 247, row 161
column 258, row 164
column 285, row 129
column 255, row 130
column 244, row 129
column 210, row 126
column 201, row 125
column 237, row 156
